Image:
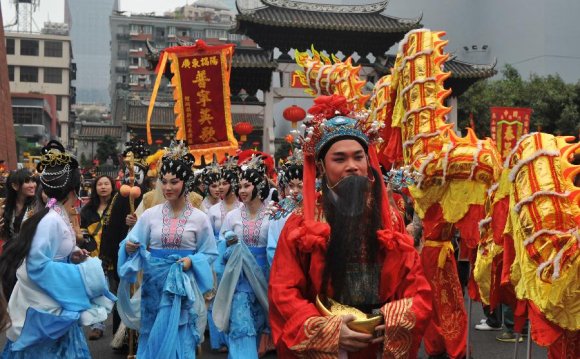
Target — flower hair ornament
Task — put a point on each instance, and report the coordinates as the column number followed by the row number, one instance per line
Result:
column 54, row 155
column 139, row 151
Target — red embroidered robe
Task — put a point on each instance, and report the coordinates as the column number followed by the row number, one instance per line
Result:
column 298, row 328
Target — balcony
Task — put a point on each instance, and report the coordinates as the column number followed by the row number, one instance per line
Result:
column 123, row 36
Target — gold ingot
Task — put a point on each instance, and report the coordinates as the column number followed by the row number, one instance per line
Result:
column 364, row 323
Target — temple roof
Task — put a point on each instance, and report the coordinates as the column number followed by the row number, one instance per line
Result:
column 365, row 18
column 464, row 70
column 327, row 26
column 90, row 131
column 252, row 57
column 162, row 117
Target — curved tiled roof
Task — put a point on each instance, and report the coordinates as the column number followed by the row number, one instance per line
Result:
column 464, row 70
column 162, row 117
column 245, row 57
column 327, row 20
column 94, row 130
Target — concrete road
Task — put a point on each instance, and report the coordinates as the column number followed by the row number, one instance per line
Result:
column 483, row 343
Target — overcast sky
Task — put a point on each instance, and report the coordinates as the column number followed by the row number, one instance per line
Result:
column 53, row 10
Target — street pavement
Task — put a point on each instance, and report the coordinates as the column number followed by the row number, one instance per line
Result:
column 484, row 345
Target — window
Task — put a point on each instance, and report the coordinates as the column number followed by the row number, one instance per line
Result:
column 28, row 74
column 52, row 75
column 197, row 34
column 27, row 115
column 215, row 34
column 171, row 31
column 9, row 46
column 134, row 30
column 147, row 29
column 10, row 73
column 59, row 103
column 29, row 47
column 53, row 48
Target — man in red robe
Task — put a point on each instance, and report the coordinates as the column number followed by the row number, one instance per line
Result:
column 349, row 246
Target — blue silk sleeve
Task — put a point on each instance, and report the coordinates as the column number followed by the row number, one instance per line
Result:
column 206, row 254
column 60, row 280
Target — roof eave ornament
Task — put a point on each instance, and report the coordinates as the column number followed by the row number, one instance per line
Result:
column 249, row 6
column 333, row 8
column 416, row 21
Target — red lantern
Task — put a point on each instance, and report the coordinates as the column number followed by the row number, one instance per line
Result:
column 294, row 114
column 159, row 142
column 243, row 129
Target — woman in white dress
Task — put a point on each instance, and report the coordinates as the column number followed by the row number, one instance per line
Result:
column 174, row 245
column 241, row 305
column 58, row 288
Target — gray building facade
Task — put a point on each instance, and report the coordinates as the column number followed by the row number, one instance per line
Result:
column 89, row 29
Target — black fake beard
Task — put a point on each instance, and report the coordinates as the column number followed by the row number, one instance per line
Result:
column 349, row 196
column 352, row 209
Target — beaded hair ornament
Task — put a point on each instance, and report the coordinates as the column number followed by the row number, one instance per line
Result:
column 179, row 161
column 292, row 168
column 402, row 177
column 332, row 117
column 139, row 151
column 254, row 170
column 230, row 171
column 54, row 155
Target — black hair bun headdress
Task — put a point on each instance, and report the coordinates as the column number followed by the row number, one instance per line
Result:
column 177, row 160
column 212, row 173
column 254, row 170
column 139, row 151
column 293, row 167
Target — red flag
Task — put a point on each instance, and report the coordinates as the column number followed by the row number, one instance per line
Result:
column 508, row 124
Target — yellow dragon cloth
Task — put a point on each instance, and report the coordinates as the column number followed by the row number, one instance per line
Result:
column 459, row 174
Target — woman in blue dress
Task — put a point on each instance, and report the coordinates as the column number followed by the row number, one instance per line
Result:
column 58, row 288
column 240, row 306
column 228, row 183
column 174, row 245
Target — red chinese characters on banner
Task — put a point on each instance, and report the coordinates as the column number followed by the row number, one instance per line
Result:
column 508, row 124
column 203, row 99
column 201, row 76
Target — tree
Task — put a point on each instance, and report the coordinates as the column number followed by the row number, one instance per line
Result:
column 107, row 147
column 282, row 150
column 555, row 104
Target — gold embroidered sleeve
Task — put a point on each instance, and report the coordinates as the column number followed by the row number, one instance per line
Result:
column 399, row 322
column 321, row 342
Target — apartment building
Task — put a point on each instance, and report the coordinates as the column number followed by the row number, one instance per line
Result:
column 40, row 71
